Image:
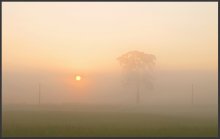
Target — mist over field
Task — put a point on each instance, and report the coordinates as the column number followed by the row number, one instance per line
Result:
column 109, row 108
column 110, row 69
column 170, row 88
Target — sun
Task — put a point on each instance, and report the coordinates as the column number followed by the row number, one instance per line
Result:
column 78, row 77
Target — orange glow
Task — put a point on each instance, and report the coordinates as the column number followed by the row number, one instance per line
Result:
column 100, row 23
column 78, row 78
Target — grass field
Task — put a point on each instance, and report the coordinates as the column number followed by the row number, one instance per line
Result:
column 70, row 121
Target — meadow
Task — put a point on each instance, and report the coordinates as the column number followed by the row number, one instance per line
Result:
column 109, row 121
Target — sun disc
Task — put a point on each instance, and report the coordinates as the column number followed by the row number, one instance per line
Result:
column 78, row 78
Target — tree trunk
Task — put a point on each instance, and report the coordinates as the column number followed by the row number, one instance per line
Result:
column 192, row 94
column 39, row 101
column 138, row 93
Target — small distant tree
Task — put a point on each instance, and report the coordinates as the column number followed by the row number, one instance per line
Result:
column 138, row 67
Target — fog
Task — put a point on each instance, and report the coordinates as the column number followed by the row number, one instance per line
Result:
column 171, row 87
column 110, row 69
column 88, row 38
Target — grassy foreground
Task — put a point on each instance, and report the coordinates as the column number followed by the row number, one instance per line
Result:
column 80, row 121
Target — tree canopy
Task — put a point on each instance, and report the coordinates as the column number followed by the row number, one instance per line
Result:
column 137, row 67
column 136, row 60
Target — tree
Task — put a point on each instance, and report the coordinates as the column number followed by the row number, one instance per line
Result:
column 138, row 67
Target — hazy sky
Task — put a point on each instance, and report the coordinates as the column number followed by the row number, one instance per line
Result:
column 67, row 36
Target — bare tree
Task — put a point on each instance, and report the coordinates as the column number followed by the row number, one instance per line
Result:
column 138, row 67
